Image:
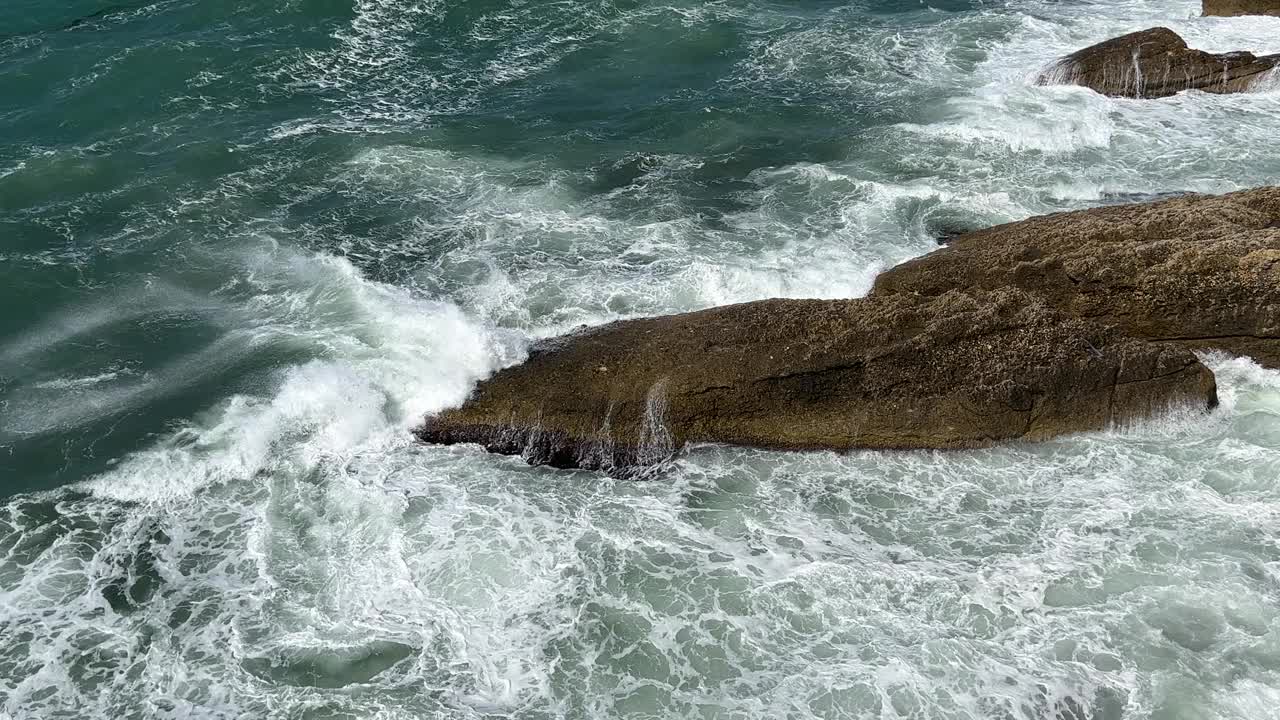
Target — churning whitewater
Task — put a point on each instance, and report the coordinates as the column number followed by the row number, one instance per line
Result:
column 247, row 246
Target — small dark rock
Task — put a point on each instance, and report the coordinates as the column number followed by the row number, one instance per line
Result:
column 1157, row 63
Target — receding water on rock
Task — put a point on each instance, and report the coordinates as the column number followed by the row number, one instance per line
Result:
column 247, row 246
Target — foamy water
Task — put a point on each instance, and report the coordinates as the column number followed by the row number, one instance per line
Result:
column 219, row 512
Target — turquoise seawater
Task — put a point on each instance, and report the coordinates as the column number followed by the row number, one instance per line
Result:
column 246, row 245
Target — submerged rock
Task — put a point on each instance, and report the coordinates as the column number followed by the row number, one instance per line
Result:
column 1201, row 270
column 956, row 371
column 1230, row 8
column 945, row 228
column 1157, row 63
column 1130, row 198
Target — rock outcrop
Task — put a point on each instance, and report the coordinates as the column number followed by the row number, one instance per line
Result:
column 1231, row 8
column 1157, row 63
column 1200, row 270
column 954, row 371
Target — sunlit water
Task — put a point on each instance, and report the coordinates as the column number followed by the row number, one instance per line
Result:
column 244, row 246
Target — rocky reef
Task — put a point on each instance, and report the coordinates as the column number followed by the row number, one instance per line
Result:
column 1057, row 324
column 960, row 370
column 1157, row 63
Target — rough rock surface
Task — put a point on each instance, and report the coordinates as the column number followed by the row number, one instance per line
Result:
column 956, row 371
column 1200, row 269
column 1229, row 8
column 1157, row 63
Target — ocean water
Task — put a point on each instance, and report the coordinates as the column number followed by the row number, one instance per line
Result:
column 246, row 245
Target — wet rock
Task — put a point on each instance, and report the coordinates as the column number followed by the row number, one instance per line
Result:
column 1130, row 198
column 1157, row 63
column 943, row 229
column 1200, row 270
column 956, row 371
column 1230, row 8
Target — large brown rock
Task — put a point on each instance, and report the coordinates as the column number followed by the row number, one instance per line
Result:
column 1157, row 63
column 956, row 371
column 1230, row 8
column 1201, row 270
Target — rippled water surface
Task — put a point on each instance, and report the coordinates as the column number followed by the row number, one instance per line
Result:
column 245, row 245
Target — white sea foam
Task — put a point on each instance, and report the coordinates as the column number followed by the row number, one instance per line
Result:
column 396, row 358
column 594, row 268
column 79, row 382
column 1194, row 141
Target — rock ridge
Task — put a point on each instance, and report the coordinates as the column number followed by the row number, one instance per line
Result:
column 1201, row 270
column 961, row 370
